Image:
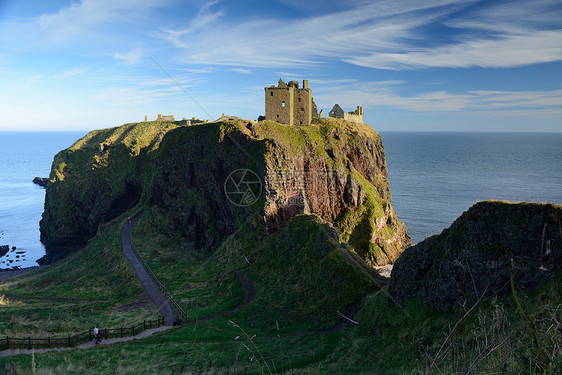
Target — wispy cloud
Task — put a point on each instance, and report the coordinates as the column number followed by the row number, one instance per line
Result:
column 379, row 35
column 73, row 20
column 543, row 101
column 130, row 57
column 303, row 41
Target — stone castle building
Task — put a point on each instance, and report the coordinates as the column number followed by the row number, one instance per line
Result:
column 288, row 104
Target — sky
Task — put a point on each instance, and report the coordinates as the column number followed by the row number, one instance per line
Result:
column 433, row 65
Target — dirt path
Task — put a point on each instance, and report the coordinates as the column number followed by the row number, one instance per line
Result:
column 86, row 345
column 148, row 284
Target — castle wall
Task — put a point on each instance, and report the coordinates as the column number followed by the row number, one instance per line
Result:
column 279, row 102
column 353, row 117
column 302, row 105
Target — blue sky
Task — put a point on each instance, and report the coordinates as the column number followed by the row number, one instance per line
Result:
column 435, row 65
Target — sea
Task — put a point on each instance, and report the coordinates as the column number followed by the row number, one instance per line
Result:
column 24, row 156
column 434, row 178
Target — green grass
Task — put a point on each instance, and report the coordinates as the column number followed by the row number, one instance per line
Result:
column 291, row 298
column 94, row 285
column 388, row 340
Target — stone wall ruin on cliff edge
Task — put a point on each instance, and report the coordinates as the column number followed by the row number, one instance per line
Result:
column 355, row 116
column 290, row 105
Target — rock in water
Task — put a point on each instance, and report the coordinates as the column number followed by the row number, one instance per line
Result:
column 474, row 254
column 41, row 181
column 4, row 250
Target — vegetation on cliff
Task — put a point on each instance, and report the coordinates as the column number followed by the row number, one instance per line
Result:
column 333, row 169
column 479, row 253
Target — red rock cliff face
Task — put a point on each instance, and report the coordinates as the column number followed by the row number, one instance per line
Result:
column 336, row 170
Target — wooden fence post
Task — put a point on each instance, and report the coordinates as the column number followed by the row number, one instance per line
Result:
column 69, row 342
column 90, row 334
column 8, row 342
column 133, row 330
column 144, row 325
column 106, row 337
column 121, row 331
column 49, row 342
column 29, row 342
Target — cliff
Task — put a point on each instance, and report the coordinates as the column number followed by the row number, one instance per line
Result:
column 183, row 175
column 475, row 255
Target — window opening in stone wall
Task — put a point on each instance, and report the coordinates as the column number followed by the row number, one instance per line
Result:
column 302, row 109
column 282, row 104
column 271, row 92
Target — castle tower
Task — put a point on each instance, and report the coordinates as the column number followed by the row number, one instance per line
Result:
column 288, row 104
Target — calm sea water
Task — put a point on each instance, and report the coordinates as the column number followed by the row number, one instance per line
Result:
column 23, row 156
column 434, row 177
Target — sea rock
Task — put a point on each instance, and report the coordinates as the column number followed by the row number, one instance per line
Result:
column 4, row 250
column 476, row 255
column 41, row 181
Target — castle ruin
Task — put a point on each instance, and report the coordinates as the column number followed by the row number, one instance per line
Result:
column 355, row 116
column 288, row 104
column 165, row 118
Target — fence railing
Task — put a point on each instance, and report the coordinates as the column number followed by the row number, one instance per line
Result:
column 163, row 289
column 70, row 341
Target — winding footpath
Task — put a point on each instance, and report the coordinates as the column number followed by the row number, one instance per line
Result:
column 149, row 286
column 150, row 289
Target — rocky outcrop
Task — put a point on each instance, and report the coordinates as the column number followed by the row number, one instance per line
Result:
column 476, row 253
column 95, row 180
column 342, row 178
column 41, row 181
column 189, row 175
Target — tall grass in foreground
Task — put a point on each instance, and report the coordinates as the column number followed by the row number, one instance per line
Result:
column 508, row 338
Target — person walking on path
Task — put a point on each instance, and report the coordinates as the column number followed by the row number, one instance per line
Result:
column 97, row 334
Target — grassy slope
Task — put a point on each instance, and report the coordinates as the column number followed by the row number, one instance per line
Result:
column 94, row 285
column 388, row 340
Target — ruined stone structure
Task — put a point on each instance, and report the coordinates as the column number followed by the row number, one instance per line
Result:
column 355, row 116
column 289, row 104
column 165, row 118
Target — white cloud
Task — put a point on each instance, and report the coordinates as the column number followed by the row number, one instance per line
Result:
column 505, row 52
column 303, row 41
column 351, row 94
column 73, row 20
column 130, row 57
column 385, row 35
